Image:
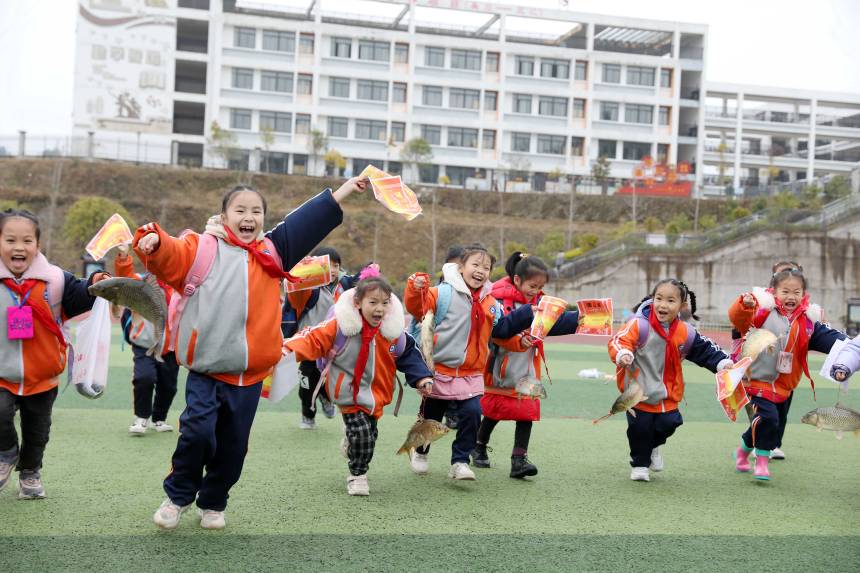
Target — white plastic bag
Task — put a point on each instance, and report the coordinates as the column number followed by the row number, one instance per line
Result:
column 282, row 381
column 92, row 349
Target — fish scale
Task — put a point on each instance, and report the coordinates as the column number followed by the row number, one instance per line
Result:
column 144, row 297
column 836, row 418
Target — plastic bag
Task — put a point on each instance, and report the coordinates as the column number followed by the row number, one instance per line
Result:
column 91, row 351
column 282, row 381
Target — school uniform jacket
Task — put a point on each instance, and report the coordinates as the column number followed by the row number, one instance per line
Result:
column 764, row 379
column 32, row 366
column 663, row 396
column 230, row 328
column 377, row 382
column 142, row 333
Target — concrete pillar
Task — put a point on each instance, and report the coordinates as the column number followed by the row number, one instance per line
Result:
column 91, row 145
column 22, row 143
column 810, row 161
column 739, row 133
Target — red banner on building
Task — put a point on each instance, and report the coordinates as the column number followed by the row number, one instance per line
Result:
column 660, row 189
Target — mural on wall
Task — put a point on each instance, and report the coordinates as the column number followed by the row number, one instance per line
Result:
column 124, row 63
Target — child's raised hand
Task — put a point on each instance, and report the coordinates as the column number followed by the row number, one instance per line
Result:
column 350, row 186
column 425, row 387
column 748, row 300
column 528, row 341
column 420, row 281
column 148, row 244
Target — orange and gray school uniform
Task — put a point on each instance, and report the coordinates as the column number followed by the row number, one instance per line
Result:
column 229, row 337
column 30, row 369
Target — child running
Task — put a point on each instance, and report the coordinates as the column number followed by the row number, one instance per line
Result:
column 365, row 342
column 39, row 298
column 466, row 317
column 785, row 311
column 149, row 376
column 649, row 350
column 527, row 275
column 228, row 335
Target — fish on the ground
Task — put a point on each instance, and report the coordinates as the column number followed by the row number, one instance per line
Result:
column 837, row 418
column 625, row 402
column 144, row 297
column 428, row 334
column 758, row 340
column 529, row 387
column 422, row 433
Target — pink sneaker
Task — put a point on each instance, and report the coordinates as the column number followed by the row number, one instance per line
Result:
column 742, row 460
column 761, row 471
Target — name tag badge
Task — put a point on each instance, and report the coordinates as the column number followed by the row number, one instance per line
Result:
column 784, row 362
column 19, row 323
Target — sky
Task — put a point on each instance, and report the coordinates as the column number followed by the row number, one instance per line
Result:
column 806, row 44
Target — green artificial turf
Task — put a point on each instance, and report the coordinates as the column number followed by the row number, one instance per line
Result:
column 290, row 510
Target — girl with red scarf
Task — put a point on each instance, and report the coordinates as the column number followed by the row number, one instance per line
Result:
column 359, row 377
column 649, row 349
column 527, row 275
column 784, row 310
column 229, row 334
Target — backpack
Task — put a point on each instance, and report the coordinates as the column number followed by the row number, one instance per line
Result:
column 446, row 291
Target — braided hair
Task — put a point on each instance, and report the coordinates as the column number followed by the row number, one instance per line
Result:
column 686, row 294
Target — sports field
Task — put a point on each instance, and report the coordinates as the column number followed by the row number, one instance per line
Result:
column 290, row 511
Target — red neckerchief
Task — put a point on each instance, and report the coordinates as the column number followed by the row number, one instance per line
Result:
column 802, row 341
column 266, row 261
column 42, row 315
column 367, row 335
column 672, row 359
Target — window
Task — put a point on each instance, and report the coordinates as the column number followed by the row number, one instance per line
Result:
column 665, row 115
column 636, row 151
column 338, row 87
column 466, row 59
column 276, row 81
column 608, row 111
column 395, row 167
column 432, row 134
column 612, row 73
column 188, row 117
column 372, row 90
column 434, row 57
column 300, row 163
column 341, row 48
column 370, row 129
column 240, row 118
column 462, row 137
column 492, row 61
column 375, row 51
column 489, row 139
column 194, row 4
column 243, row 78
column 432, row 95
column 190, row 77
column 304, row 85
column 551, row 144
column 428, row 174
column 401, row 53
column 276, row 121
column 398, row 131
column 521, row 142
column 581, row 71
column 639, row 76
column 463, row 98
column 338, row 127
column 245, row 38
column 638, row 113
column 552, row 106
column 665, row 78
column 491, row 100
column 191, row 36
column 457, row 175
column 398, row 94
column 525, row 66
column 577, row 146
column 578, row 108
column 606, row 148
column 555, row 69
column 522, row 103
column 238, row 160
column 663, row 153
column 303, row 123
column 274, row 162
column 306, row 43
column 279, row 41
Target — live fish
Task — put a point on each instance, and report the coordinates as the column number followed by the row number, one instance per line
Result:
column 144, row 297
column 629, row 398
column 428, row 334
column 422, row 433
column 758, row 340
column 837, row 418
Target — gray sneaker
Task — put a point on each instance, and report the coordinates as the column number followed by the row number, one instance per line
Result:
column 30, row 486
column 6, row 471
column 328, row 408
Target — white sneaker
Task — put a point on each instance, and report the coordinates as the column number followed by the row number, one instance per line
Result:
column 357, row 485
column 211, row 519
column 640, row 474
column 656, row 460
column 777, row 454
column 139, row 426
column 163, row 427
column 461, row 470
column 418, row 463
column 307, row 423
column 168, row 514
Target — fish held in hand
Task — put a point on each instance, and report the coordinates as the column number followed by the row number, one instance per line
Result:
column 422, row 433
column 144, row 297
column 625, row 402
column 428, row 334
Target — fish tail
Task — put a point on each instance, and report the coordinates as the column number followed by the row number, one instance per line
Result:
column 402, row 450
column 601, row 418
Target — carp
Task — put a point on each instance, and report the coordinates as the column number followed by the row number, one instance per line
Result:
column 836, row 418
column 428, row 334
column 758, row 340
column 422, row 433
column 144, row 297
column 625, row 402
column 528, row 387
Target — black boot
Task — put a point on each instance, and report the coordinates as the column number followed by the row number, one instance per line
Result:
column 480, row 459
column 522, row 467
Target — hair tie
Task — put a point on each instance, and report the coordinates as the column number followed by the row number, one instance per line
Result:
column 369, row 272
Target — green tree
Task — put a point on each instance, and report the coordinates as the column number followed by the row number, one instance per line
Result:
column 417, row 153
column 653, row 224
column 785, row 200
column 678, row 224
column 600, row 171
column 707, row 222
column 553, row 242
column 335, row 162
column 587, row 241
column 739, row 213
column 87, row 215
column 836, row 188
column 267, row 137
column 10, row 204
column 222, row 143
